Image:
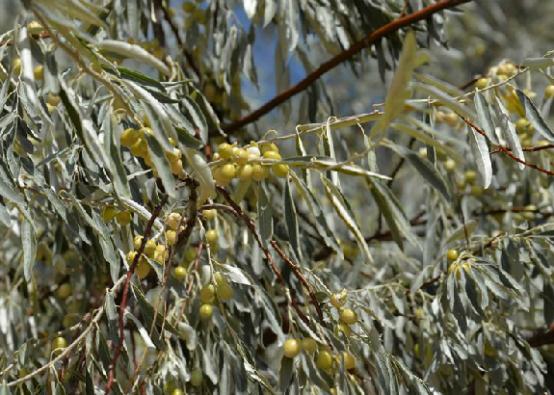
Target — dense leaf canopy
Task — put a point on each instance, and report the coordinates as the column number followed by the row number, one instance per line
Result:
column 165, row 231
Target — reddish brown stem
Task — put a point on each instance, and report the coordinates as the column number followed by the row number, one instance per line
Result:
column 125, row 294
column 345, row 55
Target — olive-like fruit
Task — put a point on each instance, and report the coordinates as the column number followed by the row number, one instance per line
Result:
column 291, row 348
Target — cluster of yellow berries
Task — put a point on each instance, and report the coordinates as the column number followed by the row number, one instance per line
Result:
column 158, row 251
column 449, row 118
column 325, row 360
column 347, row 317
column 135, row 141
column 122, row 217
column 208, row 294
column 247, row 163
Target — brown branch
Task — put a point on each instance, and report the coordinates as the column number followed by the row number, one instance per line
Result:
column 236, row 210
column 345, row 55
column 175, row 30
column 542, row 338
column 506, row 151
column 125, row 294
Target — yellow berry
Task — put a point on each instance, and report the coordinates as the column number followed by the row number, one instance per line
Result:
column 150, row 248
column 196, row 377
column 53, row 99
column 272, row 155
column 450, row 165
column 522, row 125
column 64, row 291
column 291, row 348
column 207, row 294
column 345, row 329
column 206, row 311
column 224, row 291
column 190, row 255
column 225, row 150
column 549, row 91
column 228, row 171
column 241, row 156
column 173, row 221
column 180, row 273
column 265, row 147
column 452, row 255
column 209, row 214
column 338, row 299
column 143, row 268
column 349, row 360
column 440, row 116
column 245, row 172
column 451, row 119
column 160, row 254
column 38, row 72
column 129, row 137
column 348, row 316
column 16, row 66
column 171, row 237
column 137, row 241
column 324, row 360
column 482, row 83
column 177, row 391
column 470, row 176
column 139, row 148
column 123, row 218
column 131, row 255
column 309, row 345
column 108, row 213
column 212, row 236
column 59, row 343
column 259, row 172
column 280, row 170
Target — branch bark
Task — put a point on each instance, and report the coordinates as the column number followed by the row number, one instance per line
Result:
column 345, row 55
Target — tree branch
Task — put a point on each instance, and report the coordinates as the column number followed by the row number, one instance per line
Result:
column 345, row 55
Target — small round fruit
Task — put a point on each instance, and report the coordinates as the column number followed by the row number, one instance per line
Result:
column 452, row 254
column 59, row 343
column 108, row 213
column 206, row 311
column 337, row 300
column 53, row 99
column 209, row 214
column 440, row 116
column 171, row 237
column 225, row 150
column 450, row 165
column 173, row 220
column 179, row 273
column 38, row 72
column 228, row 171
column 259, row 172
column 470, row 176
column 280, row 170
column 348, row 316
column 272, row 155
column 349, row 360
column 143, row 269
column 207, row 294
column 212, row 236
column 451, row 119
column 150, row 248
column 309, row 345
column 324, row 360
column 345, row 329
column 64, row 291
column 549, row 91
column 224, row 291
column 241, row 156
column 123, row 218
column 291, row 348
column 265, row 147
column 477, row 190
column 482, row 83
column 196, row 377
column 177, row 391
column 16, row 66
column 245, row 172
column 137, row 241
column 190, row 255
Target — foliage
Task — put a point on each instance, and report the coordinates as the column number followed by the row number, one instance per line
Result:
column 150, row 247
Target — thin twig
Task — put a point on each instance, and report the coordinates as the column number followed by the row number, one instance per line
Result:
column 125, row 294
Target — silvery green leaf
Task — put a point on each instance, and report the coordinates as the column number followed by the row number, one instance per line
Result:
column 483, row 114
column 509, row 131
column 29, row 245
column 291, row 220
column 535, row 118
column 482, row 156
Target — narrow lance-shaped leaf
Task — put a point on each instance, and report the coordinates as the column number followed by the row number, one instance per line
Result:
column 483, row 114
column 291, row 220
column 509, row 132
column 29, row 244
column 347, row 217
column 480, row 149
column 534, row 117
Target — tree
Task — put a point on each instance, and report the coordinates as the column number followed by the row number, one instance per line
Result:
column 158, row 238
